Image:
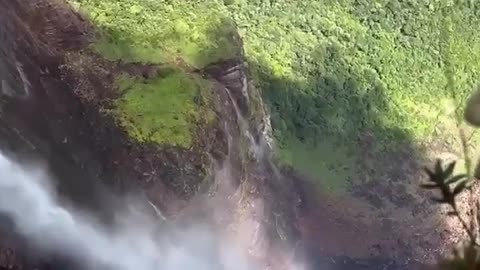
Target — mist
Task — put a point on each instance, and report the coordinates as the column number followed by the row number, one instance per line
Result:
column 138, row 242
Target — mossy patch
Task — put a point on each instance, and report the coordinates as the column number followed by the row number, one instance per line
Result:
column 198, row 33
column 164, row 110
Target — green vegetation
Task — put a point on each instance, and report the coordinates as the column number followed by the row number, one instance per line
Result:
column 184, row 33
column 331, row 71
column 164, row 110
column 156, row 31
column 450, row 185
column 334, row 70
column 336, row 169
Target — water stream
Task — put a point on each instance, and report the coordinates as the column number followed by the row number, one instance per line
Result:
column 244, row 128
column 27, row 198
column 261, row 149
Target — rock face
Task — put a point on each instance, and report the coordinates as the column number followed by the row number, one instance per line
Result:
column 39, row 117
column 54, row 94
column 231, row 74
column 52, row 99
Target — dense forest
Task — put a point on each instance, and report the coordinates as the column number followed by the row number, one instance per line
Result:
column 330, row 71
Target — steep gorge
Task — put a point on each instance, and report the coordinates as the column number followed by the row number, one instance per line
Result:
column 94, row 160
column 58, row 106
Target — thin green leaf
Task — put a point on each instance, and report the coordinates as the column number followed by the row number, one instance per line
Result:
column 438, row 167
column 431, row 175
column 449, row 170
column 456, row 178
column 460, row 187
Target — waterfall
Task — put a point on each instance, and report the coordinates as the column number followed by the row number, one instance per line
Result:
column 255, row 148
column 27, row 198
column 157, row 211
column 261, row 150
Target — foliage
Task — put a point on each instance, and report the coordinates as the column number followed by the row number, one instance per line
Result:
column 450, row 186
column 163, row 110
column 331, row 71
column 336, row 169
column 340, row 50
column 442, row 179
column 157, row 31
column 186, row 34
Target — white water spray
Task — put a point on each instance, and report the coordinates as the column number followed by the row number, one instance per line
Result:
column 243, row 124
column 27, row 198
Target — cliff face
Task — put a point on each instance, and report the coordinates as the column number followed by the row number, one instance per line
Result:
column 58, row 99
column 106, row 128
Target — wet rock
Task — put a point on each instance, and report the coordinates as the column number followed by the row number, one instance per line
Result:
column 232, row 74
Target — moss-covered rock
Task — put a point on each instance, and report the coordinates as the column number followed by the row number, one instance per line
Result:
column 165, row 109
column 185, row 35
